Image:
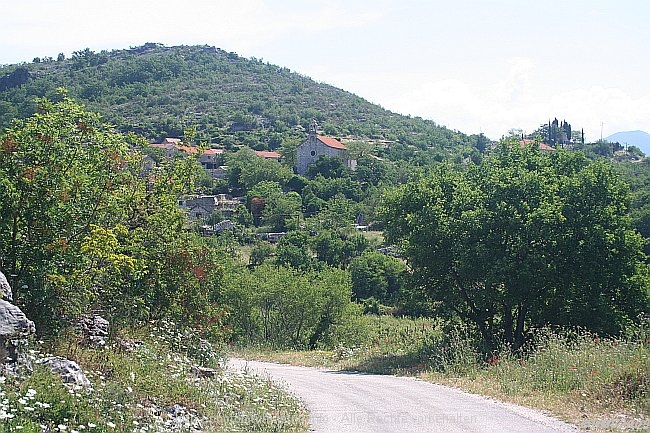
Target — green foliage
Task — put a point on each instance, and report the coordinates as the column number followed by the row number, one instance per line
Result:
column 261, row 251
column 523, row 239
column 61, row 173
column 338, row 247
column 282, row 307
column 293, row 251
column 158, row 91
column 247, row 170
column 84, row 227
column 377, row 275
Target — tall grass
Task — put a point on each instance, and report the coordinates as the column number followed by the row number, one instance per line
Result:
column 572, row 373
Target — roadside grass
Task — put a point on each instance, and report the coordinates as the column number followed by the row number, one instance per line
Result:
column 151, row 384
column 597, row 384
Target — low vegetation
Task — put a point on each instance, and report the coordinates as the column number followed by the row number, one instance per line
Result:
column 148, row 384
column 599, row 384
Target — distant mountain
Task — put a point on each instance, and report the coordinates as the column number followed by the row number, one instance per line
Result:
column 639, row 139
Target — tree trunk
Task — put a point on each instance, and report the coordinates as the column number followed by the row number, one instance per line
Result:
column 519, row 332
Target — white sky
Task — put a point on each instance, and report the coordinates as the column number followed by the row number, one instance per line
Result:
column 471, row 65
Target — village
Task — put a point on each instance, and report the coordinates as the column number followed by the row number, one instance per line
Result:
column 203, row 208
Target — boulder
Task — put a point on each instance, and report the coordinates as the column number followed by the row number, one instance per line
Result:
column 14, row 326
column 94, row 328
column 68, row 370
column 13, row 322
column 204, row 372
column 5, row 288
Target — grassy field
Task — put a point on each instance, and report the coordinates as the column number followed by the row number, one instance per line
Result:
column 597, row 384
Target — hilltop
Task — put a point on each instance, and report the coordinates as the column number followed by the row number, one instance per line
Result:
column 639, row 139
column 158, row 91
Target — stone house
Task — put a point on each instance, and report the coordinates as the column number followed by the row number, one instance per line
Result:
column 211, row 160
column 317, row 146
column 201, row 207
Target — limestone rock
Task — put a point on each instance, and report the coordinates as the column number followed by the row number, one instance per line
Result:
column 13, row 322
column 14, row 328
column 204, row 372
column 94, row 328
column 5, row 288
column 68, row 370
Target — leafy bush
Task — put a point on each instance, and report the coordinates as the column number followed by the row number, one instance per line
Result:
column 282, row 307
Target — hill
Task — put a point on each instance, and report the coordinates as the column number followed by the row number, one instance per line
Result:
column 158, row 91
column 639, row 139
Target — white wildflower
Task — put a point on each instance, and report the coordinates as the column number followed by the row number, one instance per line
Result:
column 110, row 424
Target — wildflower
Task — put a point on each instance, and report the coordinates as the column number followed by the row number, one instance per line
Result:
column 110, row 424
column 91, row 425
column 62, row 427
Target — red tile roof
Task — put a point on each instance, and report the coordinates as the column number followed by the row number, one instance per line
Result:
column 187, row 149
column 269, row 155
column 214, row 151
column 542, row 146
column 332, row 142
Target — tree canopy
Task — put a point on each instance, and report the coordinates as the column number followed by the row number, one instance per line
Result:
column 524, row 239
column 83, row 224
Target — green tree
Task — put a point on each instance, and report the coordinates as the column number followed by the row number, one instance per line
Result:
column 83, row 226
column 293, row 251
column 377, row 275
column 523, row 239
column 284, row 307
column 60, row 172
column 247, row 170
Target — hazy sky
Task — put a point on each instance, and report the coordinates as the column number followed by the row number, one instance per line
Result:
column 471, row 65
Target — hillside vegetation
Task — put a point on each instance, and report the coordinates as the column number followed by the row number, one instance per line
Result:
column 503, row 255
column 159, row 91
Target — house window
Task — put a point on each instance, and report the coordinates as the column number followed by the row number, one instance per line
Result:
column 313, row 153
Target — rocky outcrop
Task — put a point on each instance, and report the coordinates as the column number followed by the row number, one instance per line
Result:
column 68, row 370
column 15, row 327
column 14, row 79
column 94, row 329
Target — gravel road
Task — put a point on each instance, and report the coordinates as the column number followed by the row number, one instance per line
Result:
column 340, row 401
